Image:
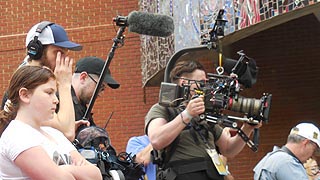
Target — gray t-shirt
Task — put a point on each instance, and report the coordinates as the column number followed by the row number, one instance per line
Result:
column 186, row 148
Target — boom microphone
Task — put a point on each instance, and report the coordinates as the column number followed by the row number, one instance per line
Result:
column 147, row 23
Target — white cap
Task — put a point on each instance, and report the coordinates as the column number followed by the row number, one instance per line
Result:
column 307, row 130
column 53, row 34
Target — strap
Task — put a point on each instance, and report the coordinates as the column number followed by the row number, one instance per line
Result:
column 172, row 112
column 203, row 133
column 285, row 149
column 43, row 25
column 102, row 167
column 194, row 136
column 193, row 129
column 188, row 166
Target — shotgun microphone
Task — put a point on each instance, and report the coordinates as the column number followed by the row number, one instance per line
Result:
column 147, row 23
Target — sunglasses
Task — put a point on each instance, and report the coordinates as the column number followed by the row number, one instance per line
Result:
column 102, row 88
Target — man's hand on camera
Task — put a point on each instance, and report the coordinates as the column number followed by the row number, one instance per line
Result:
column 249, row 127
column 196, row 106
column 81, row 122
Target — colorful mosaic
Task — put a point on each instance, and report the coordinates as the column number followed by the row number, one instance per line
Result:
column 187, row 23
column 208, row 14
column 155, row 51
column 248, row 12
column 194, row 19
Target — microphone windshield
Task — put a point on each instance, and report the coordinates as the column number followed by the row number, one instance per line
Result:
column 150, row 24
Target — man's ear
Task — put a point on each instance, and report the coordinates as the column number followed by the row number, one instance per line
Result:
column 305, row 142
column 182, row 81
column 83, row 76
column 24, row 95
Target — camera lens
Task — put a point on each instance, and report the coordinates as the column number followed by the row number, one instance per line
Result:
column 250, row 106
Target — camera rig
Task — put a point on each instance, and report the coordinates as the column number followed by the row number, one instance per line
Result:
column 94, row 144
column 221, row 91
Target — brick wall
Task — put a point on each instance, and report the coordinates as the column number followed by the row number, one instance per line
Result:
column 288, row 57
column 90, row 24
column 288, row 60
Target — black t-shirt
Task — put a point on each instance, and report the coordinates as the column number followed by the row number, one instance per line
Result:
column 79, row 111
column 79, row 108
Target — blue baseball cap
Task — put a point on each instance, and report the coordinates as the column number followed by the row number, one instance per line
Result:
column 53, row 34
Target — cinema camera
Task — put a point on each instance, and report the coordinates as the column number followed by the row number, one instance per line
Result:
column 221, row 91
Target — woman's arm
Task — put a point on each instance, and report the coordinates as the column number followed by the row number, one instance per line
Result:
column 37, row 165
column 83, row 169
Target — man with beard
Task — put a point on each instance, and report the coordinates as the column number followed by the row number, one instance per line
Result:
column 47, row 44
column 84, row 81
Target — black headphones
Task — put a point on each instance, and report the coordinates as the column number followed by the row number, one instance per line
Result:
column 35, row 47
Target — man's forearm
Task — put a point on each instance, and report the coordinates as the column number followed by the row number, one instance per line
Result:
column 237, row 143
column 66, row 116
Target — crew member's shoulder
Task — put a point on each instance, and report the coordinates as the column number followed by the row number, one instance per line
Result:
column 157, row 106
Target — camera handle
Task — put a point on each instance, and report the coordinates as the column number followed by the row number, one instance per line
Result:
column 256, row 136
column 229, row 121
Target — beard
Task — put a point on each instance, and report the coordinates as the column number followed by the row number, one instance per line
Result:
column 83, row 98
column 47, row 64
column 44, row 59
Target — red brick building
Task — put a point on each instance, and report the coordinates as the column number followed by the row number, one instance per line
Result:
column 286, row 49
